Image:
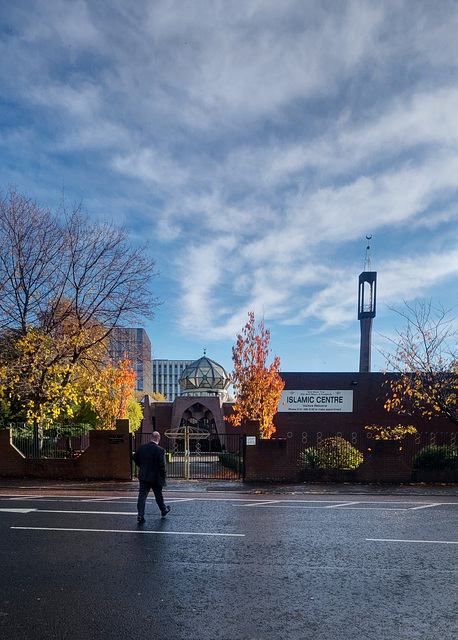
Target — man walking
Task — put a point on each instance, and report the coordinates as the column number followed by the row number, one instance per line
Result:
column 151, row 460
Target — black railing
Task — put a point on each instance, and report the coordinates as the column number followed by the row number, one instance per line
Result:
column 213, row 458
column 54, row 441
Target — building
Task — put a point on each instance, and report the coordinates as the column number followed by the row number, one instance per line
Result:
column 311, row 402
column 166, row 377
column 366, row 310
column 134, row 345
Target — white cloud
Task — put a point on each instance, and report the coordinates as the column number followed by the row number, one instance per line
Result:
column 256, row 142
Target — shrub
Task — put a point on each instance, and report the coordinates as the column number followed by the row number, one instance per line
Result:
column 331, row 453
column 308, row 459
column 437, row 457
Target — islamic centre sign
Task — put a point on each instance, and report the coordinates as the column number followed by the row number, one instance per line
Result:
column 316, row 401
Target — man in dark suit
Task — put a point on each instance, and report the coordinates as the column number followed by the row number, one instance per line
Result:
column 151, row 460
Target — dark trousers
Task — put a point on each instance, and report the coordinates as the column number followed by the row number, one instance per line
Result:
column 145, row 488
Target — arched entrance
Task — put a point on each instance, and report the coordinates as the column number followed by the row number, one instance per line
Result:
column 196, row 450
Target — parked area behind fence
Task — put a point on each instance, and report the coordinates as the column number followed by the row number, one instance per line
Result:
column 56, row 441
column 219, row 456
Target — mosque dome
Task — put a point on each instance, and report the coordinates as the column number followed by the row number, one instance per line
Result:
column 204, row 377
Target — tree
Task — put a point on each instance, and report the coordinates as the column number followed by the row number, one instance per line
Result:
column 426, row 363
column 65, row 283
column 111, row 393
column 158, row 397
column 257, row 386
column 54, row 265
column 134, row 414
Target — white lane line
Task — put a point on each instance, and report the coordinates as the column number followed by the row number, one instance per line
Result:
column 112, row 499
column 341, row 504
column 95, row 513
column 292, row 505
column 18, row 510
column 426, row 506
column 269, row 503
column 24, row 497
column 168, row 533
column 411, row 541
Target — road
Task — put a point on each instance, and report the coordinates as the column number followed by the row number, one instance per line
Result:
column 226, row 566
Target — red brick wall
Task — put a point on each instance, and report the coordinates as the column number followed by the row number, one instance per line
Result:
column 106, row 458
column 267, row 460
column 369, row 395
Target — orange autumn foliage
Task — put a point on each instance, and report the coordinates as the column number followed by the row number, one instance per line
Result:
column 111, row 394
column 257, row 386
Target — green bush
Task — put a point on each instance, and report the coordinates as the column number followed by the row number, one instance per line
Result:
column 309, row 459
column 231, row 461
column 437, row 457
column 331, row 453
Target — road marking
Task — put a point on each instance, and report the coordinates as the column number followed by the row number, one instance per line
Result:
column 109, row 499
column 168, row 533
column 342, row 504
column 18, row 510
column 411, row 541
column 25, row 497
column 293, row 505
column 269, row 503
column 95, row 513
column 425, row 506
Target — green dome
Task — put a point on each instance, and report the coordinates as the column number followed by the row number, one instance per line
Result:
column 206, row 376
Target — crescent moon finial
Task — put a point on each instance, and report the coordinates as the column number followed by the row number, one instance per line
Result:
column 369, row 237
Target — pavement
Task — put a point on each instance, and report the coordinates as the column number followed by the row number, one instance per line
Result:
column 175, row 485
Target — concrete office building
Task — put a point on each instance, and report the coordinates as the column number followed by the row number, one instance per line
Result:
column 136, row 346
column 166, row 377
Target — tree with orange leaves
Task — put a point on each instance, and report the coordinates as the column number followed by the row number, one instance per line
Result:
column 257, row 386
column 110, row 394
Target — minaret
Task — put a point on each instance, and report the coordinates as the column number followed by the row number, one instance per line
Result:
column 366, row 310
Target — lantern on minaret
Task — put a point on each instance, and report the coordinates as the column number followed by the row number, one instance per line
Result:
column 366, row 310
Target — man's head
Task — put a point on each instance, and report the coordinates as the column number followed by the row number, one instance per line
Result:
column 155, row 437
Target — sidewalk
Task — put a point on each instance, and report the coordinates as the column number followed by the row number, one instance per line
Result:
column 176, row 485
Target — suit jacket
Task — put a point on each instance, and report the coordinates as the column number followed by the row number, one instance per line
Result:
column 150, row 458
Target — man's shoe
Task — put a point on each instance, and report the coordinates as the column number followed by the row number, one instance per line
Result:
column 141, row 519
column 166, row 510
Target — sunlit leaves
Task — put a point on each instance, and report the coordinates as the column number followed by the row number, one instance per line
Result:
column 111, row 391
column 65, row 283
column 257, row 385
column 425, row 361
column 398, row 432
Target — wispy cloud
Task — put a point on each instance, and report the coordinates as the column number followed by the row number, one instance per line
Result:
column 255, row 144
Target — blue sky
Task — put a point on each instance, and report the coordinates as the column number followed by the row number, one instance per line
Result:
column 255, row 144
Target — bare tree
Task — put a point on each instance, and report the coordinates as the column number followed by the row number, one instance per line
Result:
column 55, row 265
column 426, row 362
column 31, row 247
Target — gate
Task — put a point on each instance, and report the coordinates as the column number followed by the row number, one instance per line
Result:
column 193, row 453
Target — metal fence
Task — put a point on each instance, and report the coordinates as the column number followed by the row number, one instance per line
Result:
column 218, row 457
column 56, row 441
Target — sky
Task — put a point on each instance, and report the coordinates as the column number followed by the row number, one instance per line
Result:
column 255, row 144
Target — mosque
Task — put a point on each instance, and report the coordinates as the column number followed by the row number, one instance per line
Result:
column 311, row 402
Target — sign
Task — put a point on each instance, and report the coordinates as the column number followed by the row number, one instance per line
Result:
column 316, row 401
column 251, row 440
column 116, row 439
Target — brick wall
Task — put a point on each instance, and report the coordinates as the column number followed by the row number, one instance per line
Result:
column 267, row 461
column 106, row 458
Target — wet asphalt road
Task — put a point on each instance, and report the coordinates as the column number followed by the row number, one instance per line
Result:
column 226, row 566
